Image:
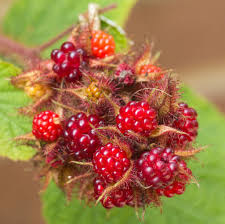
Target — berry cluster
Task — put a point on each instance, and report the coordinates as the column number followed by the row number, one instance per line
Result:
column 68, row 61
column 157, row 167
column 80, row 136
column 46, row 126
column 120, row 130
column 188, row 123
column 138, row 117
column 169, row 191
column 118, row 198
column 110, row 162
column 152, row 70
column 102, row 44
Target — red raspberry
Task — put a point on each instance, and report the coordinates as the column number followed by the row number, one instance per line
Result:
column 125, row 74
column 46, row 126
column 188, row 123
column 102, row 44
column 117, row 198
column 175, row 188
column 151, row 69
column 81, row 138
column 110, row 162
column 68, row 61
column 157, row 167
column 138, row 117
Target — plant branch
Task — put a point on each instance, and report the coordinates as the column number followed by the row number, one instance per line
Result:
column 10, row 47
column 30, row 56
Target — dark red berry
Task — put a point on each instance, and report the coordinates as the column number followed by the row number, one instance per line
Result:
column 59, row 57
column 187, row 122
column 102, row 44
column 110, row 162
column 67, row 47
column 46, row 126
column 118, row 198
column 54, row 53
column 152, row 69
column 74, row 58
column 125, row 74
column 158, row 167
column 68, row 61
column 81, row 138
column 137, row 117
column 74, row 75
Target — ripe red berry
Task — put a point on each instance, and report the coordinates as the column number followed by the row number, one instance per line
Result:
column 46, row 126
column 67, row 47
column 102, row 44
column 81, row 139
column 110, row 162
column 152, row 69
column 68, row 61
column 117, row 198
column 187, row 122
column 125, row 74
column 137, row 117
column 158, row 167
column 175, row 188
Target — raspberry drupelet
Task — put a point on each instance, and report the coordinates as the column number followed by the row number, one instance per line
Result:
column 137, row 117
column 102, row 44
column 46, row 126
column 157, row 167
column 110, row 162
column 68, row 61
column 118, row 198
column 187, row 122
column 152, row 69
column 82, row 140
column 175, row 188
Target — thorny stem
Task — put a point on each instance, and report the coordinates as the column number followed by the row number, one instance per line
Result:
column 30, row 56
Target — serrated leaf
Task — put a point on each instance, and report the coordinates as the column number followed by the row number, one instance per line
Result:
column 196, row 206
column 12, row 125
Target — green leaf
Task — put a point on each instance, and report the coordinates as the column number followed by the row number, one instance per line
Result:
column 34, row 22
column 122, row 43
column 196, row 206
column 12, row 125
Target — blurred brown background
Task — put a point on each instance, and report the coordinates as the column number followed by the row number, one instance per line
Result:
column 191, row 35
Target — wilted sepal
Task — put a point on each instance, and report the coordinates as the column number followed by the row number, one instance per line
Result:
column 163, row 129
column 189, row 152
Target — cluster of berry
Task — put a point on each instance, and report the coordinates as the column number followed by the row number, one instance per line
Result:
column 158, row 168
column 118, row 128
